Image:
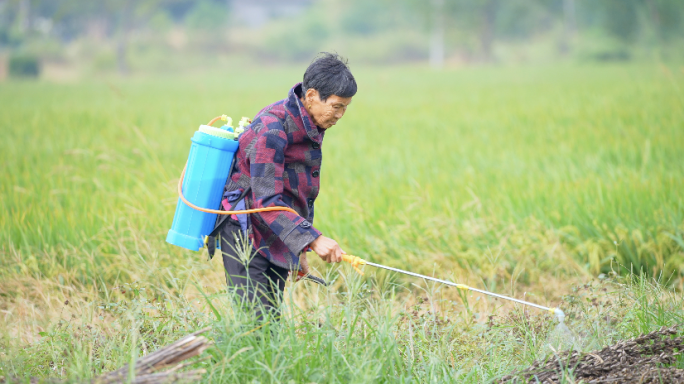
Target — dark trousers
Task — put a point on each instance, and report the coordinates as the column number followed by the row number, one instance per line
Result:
column 257, row 281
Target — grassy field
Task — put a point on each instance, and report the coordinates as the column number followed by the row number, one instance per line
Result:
column 525, row 181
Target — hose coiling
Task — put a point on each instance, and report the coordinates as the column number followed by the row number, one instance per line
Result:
column 219, row 212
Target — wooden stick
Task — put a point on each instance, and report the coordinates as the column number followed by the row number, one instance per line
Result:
column 147, row 368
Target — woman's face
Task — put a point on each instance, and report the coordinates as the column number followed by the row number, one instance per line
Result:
column 326, row 113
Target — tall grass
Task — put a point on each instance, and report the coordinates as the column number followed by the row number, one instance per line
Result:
column 523, row 181
column 365, row 330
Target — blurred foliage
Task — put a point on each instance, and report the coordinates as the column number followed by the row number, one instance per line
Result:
column 668, row 18
column 365, row 17
column 207, row 14
column 379, row 31
column 24, row 65
column 620, row 19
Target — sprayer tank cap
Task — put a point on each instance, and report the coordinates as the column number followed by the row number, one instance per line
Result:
column 217, row 132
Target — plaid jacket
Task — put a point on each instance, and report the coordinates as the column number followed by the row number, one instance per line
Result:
column 280, row 158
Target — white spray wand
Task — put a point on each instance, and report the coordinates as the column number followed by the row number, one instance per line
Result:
column 357, row 261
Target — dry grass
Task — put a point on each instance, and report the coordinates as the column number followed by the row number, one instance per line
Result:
column 523, row 181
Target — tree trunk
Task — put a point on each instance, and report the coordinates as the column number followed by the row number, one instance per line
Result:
column 437, row 36
column 122, row 41
column 121, row 59
column 487, row 28
column 655, row 15
column 24, row 16
column 569, row 26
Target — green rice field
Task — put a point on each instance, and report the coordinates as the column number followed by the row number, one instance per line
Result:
column 561, row 184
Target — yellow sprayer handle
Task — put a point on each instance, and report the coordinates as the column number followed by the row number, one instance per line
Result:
column 355, row 262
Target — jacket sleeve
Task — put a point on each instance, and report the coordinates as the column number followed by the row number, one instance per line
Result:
column 267, row 163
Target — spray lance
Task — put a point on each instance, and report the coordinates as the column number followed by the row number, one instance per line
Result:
column 201, row 184
column 357, row 261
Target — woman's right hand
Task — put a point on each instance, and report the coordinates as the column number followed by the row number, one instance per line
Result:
column 327, row 249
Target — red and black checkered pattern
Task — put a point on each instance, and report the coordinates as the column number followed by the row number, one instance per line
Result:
column 280, row 159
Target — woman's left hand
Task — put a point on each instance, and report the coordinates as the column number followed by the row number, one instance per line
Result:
column 327, row 249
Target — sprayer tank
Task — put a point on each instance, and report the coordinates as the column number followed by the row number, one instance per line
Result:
column 207, row 170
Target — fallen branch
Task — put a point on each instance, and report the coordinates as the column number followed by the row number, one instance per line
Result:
column 147, row 369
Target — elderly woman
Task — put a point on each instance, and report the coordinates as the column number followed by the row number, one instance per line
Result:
column 279, row 164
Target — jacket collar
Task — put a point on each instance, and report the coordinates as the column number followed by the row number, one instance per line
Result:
column 296, row 108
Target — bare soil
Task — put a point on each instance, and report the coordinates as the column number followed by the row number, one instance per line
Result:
column 645, row 359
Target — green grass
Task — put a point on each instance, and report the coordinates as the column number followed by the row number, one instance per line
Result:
column 518, row 180
column 363, row 332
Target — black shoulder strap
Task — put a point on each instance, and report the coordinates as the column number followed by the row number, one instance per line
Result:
column 210, row 241
column 223, row 218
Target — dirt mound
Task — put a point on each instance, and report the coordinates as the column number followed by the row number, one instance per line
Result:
column 640, row 360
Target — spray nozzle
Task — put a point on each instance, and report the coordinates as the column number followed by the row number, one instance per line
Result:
column 560, row 315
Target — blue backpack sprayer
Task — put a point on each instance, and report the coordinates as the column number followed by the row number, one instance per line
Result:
column 209, row 163
column 201, row 183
